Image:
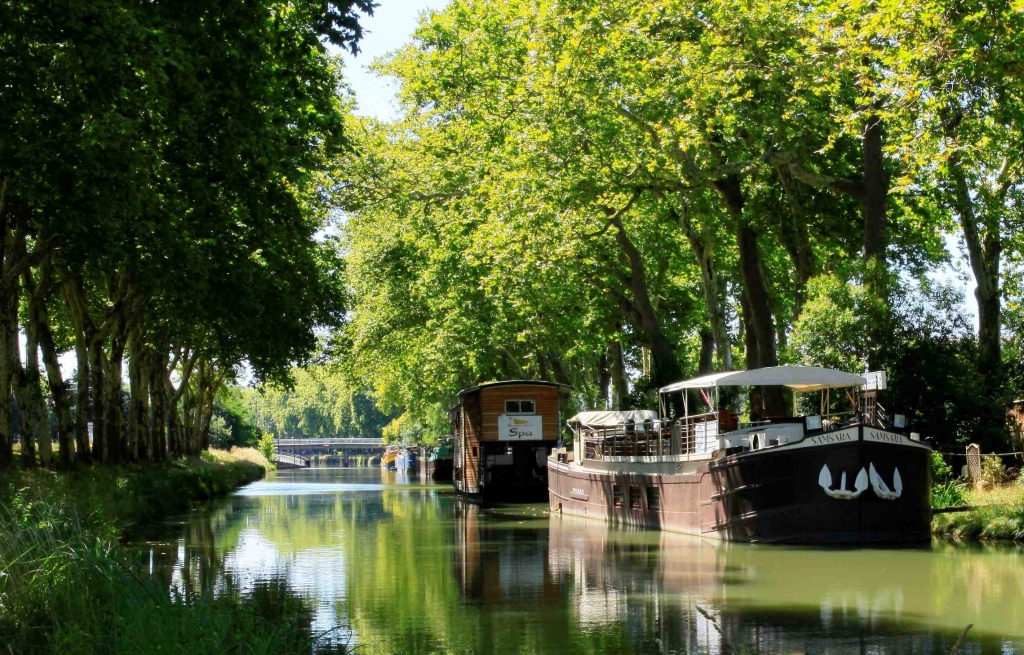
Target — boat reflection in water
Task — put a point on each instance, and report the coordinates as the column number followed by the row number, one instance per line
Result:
column 411, row 568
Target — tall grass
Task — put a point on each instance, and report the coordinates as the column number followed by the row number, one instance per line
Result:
column 998, row 514
column 64, row 589
column 68, row 586
column 951, row 493
column 236, row 454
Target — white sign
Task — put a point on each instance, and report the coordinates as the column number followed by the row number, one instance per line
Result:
column 874, row 381
column 520, row 428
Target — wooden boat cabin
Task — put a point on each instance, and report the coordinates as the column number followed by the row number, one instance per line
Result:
column 503, row 434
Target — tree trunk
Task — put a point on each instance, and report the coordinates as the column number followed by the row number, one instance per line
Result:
column 604, row 381
column 34, row 381
column 666, row 367
column 754, row 288
column 703, row 249
column 873, row 207
column 27, row 413
column 82, row 377
column 984, row 253
column 751, row 352
column 556, row 369
column 8, row 331
column 204, row 430
column 100, row 447
column 39, row 322
column 114, row 406
column 158, row 420
column 138, row 435
column 542, row 368
column 617, row 368
column 876, row 193
column 707, row 351
column 795, row 239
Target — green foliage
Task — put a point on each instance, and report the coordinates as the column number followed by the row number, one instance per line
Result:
column 940, row 469
column 319, row 401
column 232, row 423
column 930, row 351
column 993, row 471
column 125, row 496
column 833, row 330
column 266, row 446
column 167, row 199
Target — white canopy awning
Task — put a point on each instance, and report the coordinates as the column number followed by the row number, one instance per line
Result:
column 607, row 419
column 798, row 378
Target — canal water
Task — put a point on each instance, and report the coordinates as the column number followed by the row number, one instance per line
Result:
column 389, row 565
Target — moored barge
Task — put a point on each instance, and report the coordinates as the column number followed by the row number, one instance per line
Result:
column 503, row 433
column 812, row 479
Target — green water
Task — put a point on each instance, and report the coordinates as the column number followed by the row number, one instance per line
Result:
column 392, row 566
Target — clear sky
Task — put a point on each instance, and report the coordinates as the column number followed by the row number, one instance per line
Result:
column 390, row 27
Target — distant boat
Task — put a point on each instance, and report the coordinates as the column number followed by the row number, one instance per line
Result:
column 387, row 460
column 441, row 461
column 406, row 461
column 844, row 478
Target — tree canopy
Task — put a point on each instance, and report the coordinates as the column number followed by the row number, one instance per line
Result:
column 618, row 194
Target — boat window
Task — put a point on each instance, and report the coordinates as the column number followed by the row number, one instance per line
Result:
column 634, row 498
column 653, row 498
column 617, row 496
column 519, row 406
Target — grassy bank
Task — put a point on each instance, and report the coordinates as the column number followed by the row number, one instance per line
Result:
column 114, row 500
column 998, row 514
column 68, row 586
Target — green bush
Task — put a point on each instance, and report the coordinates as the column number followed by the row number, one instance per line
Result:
column 992, row 469
column 940, row 469
column 266, row 446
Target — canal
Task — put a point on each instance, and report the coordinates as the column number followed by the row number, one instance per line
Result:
column 387, row 565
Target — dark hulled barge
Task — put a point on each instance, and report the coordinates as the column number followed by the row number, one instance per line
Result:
column 798, row 479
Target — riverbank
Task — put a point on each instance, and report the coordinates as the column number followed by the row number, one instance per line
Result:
column 997, row 514
column 68, row 585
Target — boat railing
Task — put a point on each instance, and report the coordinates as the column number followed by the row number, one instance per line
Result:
column 696, row 434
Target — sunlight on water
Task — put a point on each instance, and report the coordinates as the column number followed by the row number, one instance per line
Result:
column 397, row 566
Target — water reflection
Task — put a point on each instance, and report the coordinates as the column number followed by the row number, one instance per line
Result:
column 399, row 567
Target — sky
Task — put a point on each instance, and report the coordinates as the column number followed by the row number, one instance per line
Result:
column 390, row 27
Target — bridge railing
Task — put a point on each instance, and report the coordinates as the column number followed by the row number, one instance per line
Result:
column 349, row 443
column 291, row 458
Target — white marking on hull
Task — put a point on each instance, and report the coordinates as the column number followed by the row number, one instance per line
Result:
column 842, row 493
column 881, row 489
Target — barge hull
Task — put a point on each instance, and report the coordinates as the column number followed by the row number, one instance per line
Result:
column 791, row 494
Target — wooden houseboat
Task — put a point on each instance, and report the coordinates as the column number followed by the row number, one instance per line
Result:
column 825, row 477
column 503, row 434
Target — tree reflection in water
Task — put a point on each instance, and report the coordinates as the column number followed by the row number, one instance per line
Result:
column 415, row 570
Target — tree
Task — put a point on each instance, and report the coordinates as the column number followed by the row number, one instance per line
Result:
column 151, row 204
